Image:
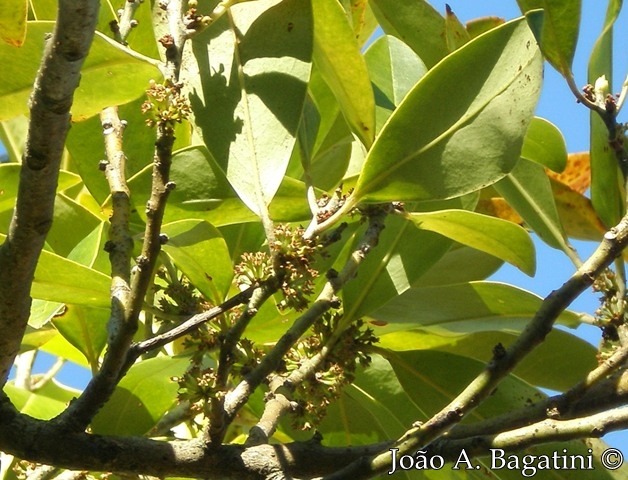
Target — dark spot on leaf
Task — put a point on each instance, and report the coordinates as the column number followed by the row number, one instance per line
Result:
column 290, row 26
column 378, row 323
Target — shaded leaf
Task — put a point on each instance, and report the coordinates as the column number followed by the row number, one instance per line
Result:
column 527, row 189
column 141, row 398
column 498, row 237
column 394, row 69
column 247, row 104
column 337, row 56
column 607, row 184
column 464, row 308
column 402, row 255
column 417, row 24
column 85, row 328
column 559, row 35
column 580, row 359
column 420, row 156
column 199, row 250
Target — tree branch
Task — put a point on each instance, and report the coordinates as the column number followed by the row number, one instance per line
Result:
column 504, row 360
column 50, row 104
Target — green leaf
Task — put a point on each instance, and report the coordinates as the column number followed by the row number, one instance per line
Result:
column 607, row 192
column 528, row 190
column 199, row 250
column 455, row 32
column 571, row 358
column 477, row 266
column 85, row 328
column 9, row 179
column 559, row 34
column 141, row 398
column 545, row 144
column 415, row 23
column 464, row 308
column 337, row 56
column 498, row 237
column 394, row 69
column 61, row 280
column 46, row 403
column 111, row 74
column 324, row 138
column 13, row 22
column 490, row 88
column 248, row 102
column 402, row 255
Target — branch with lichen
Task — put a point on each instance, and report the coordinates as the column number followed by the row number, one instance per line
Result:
column 504, row 360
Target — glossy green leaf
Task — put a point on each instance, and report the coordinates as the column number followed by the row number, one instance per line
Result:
column 464, row 308
column 607, row 192
column 473, row 142
column 199, row 250
column 58, row 279
column 85, row 328
column 90, row 251
column 528, row 190
column 415, row 23
column 545, row 144
column 559, row 34
column 479, row 345
column 111, row 74
column 498, row 237
column 337, row 56
column 477, row 266
column 42, row 312
column 141, row 398
column 72, row 222
column 45, row 403
column 455, row 32
column 248, row 104
column 13, row 22
column 402, row 255
column 394, row 69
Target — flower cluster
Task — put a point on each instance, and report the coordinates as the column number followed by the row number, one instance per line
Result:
column 611, row 313
column 289, row 262
column 165, row 105
column 318, row 391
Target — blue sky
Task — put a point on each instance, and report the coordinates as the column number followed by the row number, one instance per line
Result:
column 558, row 105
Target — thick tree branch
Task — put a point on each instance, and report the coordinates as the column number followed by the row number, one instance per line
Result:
column 50, row 104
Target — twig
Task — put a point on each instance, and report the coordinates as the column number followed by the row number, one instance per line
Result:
column 41, row 381
column 127, row 22
column 217, row 427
